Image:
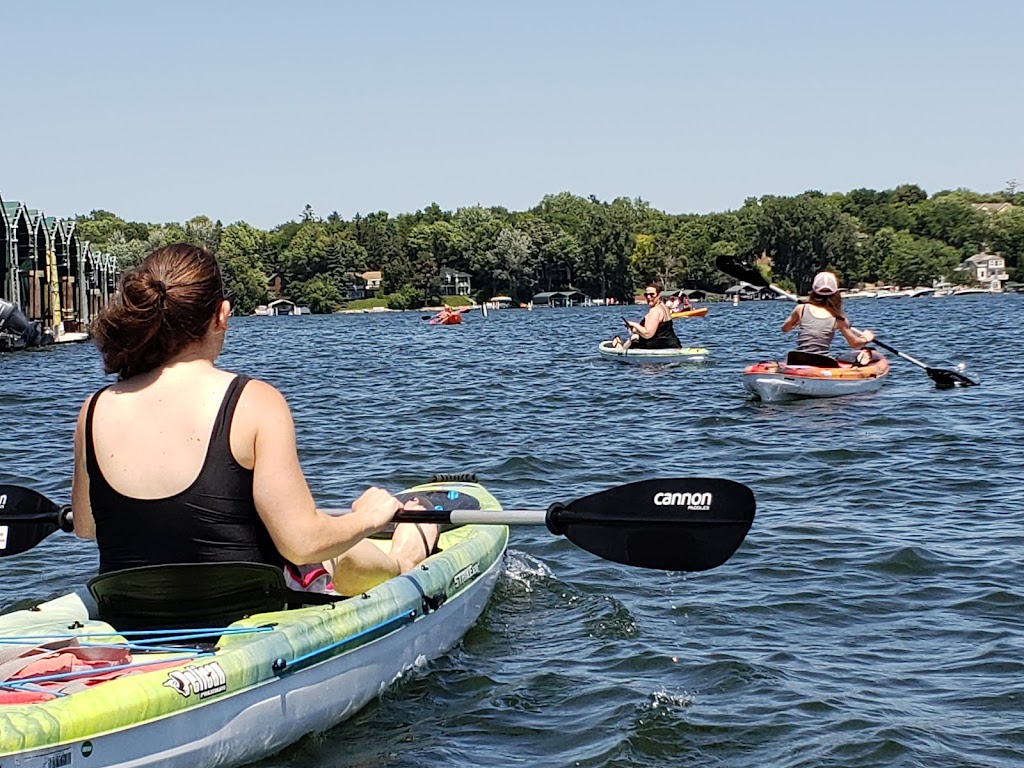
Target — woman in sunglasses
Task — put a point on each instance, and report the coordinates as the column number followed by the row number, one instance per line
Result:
column 656, row 331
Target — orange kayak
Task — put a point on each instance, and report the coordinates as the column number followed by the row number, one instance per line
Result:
column 777, row 382
column 690, row 313
column 446, row 319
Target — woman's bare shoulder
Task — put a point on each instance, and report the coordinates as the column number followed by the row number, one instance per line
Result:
column 260, row 401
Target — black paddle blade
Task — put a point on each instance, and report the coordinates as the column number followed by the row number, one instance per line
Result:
column 691, row 524
column 735, row 267
column 26, row 518
column 947, row 379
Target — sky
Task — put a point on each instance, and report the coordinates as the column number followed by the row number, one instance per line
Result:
column 250, row 110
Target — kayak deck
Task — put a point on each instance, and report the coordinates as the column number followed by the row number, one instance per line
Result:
column 249, row 689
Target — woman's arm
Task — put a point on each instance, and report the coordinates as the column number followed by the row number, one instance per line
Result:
column 794, row 318
column 301, row 533
column 854, row 338
column 85, row 525
column 649, row 326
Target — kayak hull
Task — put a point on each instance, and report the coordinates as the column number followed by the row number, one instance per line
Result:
column 690, row 313
column 336, row 658
column 775, row 382
column 447, row 320
column 653, row 356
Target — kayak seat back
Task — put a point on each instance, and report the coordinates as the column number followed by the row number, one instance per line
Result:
column 795, row 357
column 192, row 595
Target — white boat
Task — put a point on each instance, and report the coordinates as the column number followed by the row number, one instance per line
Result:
column 608, row 350
column 855, row 294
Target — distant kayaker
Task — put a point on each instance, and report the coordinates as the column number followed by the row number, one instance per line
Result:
column 656, row 331
column 182, row 462
column 818, row 319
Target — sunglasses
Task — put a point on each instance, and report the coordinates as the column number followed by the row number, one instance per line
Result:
column 650, row 295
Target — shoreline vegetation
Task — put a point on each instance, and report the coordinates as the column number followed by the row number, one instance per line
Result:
column 901, row 236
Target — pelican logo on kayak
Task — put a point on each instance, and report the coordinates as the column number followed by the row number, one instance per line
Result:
column 464, row 576
column 204, row 680
column 3, row 500
column 701, row 501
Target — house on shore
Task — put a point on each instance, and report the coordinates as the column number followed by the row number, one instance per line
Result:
column 987, row 269
column 567, row 298
column 280, row 307
column 454, row 283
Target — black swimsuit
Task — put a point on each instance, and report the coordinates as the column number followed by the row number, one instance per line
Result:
column 213, row 520
column 664, row 338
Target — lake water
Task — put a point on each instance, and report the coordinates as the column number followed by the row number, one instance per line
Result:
column 873, row 617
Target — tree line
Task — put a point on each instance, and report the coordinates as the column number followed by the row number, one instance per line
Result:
column 899, row 236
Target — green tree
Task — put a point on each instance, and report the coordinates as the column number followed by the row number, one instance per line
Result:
column 513, row 258
column 1006, row 237
column 241, row 257
column 951, row 219
column 319, row 293
column 805, row 234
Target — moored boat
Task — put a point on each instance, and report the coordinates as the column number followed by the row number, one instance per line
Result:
column 229, row 695
column 690, row 313
column 781, row 381
column 607, row 349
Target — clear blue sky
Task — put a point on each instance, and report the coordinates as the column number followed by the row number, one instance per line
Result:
column 249, row 110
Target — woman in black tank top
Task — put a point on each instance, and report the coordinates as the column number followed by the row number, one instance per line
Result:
column 181, row 462
column 657, row 330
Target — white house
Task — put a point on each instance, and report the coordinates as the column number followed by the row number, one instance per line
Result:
column 365, row 286
column 988, row 269
column 454, row 283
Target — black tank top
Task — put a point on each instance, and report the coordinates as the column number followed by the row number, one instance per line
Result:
column 212, row 520
column 664, row 337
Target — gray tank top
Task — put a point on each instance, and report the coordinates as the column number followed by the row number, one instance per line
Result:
column 815, row 334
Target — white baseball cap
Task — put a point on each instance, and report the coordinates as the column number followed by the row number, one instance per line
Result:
column 825, row 284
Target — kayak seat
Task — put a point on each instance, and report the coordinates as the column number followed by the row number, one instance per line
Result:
column 796, row 357
column 860, row 357
column 193, row 595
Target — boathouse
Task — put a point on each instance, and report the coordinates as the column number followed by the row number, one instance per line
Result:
column 48, row 273
column 567, row 298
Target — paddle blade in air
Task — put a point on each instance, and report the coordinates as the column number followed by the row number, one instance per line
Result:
column 735, row 267
column 691, row 524
column 26, row 518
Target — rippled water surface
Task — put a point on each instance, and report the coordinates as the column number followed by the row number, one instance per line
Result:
column 873, row 617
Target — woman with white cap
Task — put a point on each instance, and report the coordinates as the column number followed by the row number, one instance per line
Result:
column 820, row 316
